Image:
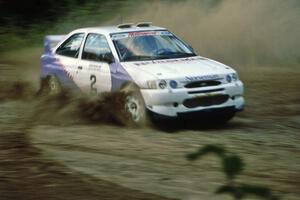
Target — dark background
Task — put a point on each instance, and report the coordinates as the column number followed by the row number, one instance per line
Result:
column 26, row 13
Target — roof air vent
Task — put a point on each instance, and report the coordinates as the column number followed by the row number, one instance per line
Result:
column 127, row 25
column 144, row 24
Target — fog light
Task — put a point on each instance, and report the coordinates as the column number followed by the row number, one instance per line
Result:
column 173, row 84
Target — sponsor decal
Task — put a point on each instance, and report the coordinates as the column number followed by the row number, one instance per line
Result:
column 202, row 78
column 167, row 61
column 119, row 36
column 135, row 34
column 59, row 63
column 93, row 67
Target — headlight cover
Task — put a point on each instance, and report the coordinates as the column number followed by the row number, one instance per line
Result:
column 163, row 84
column 157, row 84
column 233, row 77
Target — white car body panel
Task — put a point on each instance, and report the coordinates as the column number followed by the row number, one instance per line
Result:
column 100, row 70
column 168, row 101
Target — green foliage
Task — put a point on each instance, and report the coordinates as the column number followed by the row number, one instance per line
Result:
column 218, row 150
column 232, row 166
column 242, row 191
column 25, row 23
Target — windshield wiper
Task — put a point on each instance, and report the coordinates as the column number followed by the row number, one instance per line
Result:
column 137, row 58
column 169, row 56
column 184, row 54
column 174, row 55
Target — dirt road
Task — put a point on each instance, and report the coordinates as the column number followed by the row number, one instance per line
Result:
column 27, row 174
column 46, row 144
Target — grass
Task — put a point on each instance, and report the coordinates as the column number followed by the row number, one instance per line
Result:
column 271, row 91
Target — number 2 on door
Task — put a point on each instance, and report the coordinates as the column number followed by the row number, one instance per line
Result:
column 93, row 80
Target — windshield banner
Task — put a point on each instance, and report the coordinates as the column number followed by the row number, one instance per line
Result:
column 119, row 36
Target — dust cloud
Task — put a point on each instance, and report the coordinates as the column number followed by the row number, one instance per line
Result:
column 66, row 108
column 243, row 32
column 16, row 90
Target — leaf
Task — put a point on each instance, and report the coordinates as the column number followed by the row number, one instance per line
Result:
column 232, row 166
column 215, row 149
column 242, row 191
column 231, row 190
column 259, row 191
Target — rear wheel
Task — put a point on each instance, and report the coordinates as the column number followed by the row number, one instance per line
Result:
column 50, row 86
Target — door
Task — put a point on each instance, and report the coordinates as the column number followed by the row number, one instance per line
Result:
column 67, row 59
column 93, row 69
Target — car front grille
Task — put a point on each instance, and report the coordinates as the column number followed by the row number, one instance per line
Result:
column 206, row 91
column 197, row 84
column 205, row 101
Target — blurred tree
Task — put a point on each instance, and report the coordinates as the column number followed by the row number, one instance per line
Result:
column 25, row 13
column 24, row 23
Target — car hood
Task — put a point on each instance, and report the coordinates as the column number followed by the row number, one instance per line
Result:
column 180, row 68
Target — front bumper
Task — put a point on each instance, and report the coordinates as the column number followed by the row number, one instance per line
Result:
column 170, row 102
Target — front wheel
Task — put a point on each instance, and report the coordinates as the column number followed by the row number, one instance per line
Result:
column 134, row 105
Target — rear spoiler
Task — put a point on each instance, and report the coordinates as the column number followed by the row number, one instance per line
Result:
column 51, row 41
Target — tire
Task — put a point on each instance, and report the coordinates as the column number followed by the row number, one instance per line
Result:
column 134, row 105
column 50, row 86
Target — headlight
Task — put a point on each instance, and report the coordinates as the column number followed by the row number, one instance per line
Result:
column 162, row 84
column 232, row 77
column 228, row 78
column 235, row 77
column 153, row 84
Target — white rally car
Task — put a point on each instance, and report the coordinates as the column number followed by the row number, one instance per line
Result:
column 160, row 73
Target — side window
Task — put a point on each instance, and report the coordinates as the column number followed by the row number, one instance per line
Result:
column 96, row 48
column 71, row 46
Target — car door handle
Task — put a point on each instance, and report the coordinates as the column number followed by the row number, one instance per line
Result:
column 79, row 67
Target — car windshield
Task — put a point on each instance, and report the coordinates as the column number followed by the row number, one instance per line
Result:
column 149, row 45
